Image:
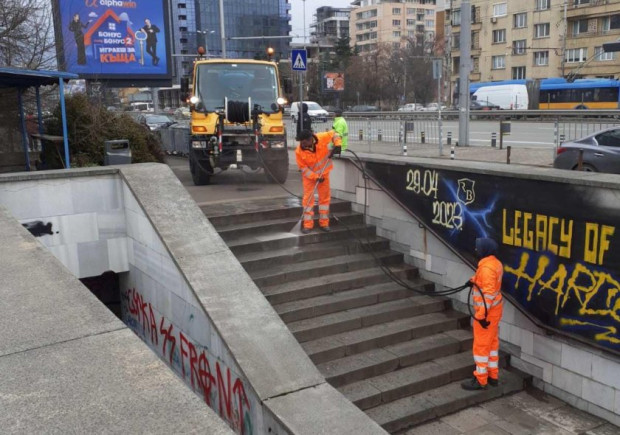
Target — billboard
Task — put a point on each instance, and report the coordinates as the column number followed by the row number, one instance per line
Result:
column 116, row 40
column 333, row 81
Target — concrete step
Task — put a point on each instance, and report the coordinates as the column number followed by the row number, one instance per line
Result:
column 324, row 266
column 411, row 380
column 261, row 260
column 399, row 331
column 285, row 225
column 236, row 213
column 330, row 324
column 376, row 362
column 269, row 242
column 327, row 284
column 437, row 402
column 359, row 297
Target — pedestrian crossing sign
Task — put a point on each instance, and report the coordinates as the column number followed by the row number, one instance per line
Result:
column 299, row 60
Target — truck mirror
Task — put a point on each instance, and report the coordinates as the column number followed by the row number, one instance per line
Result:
column 184, row 88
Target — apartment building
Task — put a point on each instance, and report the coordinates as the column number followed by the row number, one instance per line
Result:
column 537, row 39
column 394, row 22
column 591, row 23
column 329, row 25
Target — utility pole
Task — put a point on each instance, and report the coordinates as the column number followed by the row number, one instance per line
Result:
column 464, row 69
column 564, row 39
column 222, row 29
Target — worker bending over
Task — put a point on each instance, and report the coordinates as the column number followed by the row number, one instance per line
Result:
column 488, row 307
column 313, row 156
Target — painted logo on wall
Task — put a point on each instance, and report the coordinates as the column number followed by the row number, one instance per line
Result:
column 556, row 240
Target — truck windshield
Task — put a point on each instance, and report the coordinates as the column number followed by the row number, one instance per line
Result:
column 238, row 82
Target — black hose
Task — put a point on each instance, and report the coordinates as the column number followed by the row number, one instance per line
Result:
column 238, row 112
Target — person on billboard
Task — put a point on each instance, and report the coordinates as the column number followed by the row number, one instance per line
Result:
column 151, row 31
column 76, row 27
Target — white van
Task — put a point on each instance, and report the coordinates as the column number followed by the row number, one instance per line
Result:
column 507, row 97
column 316, row 112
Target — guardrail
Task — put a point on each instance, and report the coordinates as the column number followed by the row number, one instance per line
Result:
column 393, row 132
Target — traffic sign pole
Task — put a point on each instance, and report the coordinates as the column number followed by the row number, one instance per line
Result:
column 299, row 63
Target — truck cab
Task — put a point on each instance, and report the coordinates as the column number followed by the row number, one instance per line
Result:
column 236, row 119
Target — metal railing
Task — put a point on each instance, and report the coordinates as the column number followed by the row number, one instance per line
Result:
column 394, row 132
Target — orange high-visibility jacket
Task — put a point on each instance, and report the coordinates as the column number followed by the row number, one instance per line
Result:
column 311, row 163
column 487, row 283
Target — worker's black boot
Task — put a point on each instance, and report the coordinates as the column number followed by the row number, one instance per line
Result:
column 472, row 384
column 326, row 229
column 306, row 230
column 493, row 382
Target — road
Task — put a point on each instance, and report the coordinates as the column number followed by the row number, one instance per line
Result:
column 528, row 134
column 234, row 184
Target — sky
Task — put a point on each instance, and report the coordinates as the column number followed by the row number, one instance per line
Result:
column 297, row 14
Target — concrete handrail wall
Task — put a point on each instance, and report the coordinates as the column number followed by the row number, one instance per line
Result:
column 582, row 375
column 229, row 323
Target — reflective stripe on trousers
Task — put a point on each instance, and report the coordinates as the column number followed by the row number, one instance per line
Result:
column 486, row 346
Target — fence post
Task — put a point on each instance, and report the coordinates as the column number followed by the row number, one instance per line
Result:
column 379, row 135
column 580, row 160
column 494, row 139
column 508, row 149
column 452, row 153
column 361, row 134
column 369, row 135
column 423, row 137
column 449, row 139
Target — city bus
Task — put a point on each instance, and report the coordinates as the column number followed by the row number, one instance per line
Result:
column 559, row 94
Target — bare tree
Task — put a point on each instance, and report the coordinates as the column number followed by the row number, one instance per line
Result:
column 26, row 34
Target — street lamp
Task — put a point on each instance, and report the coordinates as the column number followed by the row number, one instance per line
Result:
column 206, row 33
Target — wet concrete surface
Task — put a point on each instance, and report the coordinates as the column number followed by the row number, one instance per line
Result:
column 528, row 412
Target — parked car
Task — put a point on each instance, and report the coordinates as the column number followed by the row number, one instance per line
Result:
column 183, row 112
column 155, row 122
column 483, row 105
column 411, row 107
column 601, row 152
column 364, row 108
column 316, row 112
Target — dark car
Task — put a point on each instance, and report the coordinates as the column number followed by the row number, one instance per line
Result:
column 601, row 152
column 483, row 105
column 364, row 108
column 155, row 122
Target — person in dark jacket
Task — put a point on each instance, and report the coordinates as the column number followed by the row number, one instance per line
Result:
column 151, row 31
column 76, row 27
column 305, row 118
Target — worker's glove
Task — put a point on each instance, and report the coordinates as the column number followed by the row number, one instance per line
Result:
column 321, row 179
column 334, row 152
column 484, row 323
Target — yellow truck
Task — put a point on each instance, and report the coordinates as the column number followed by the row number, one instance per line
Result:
column 236, row 118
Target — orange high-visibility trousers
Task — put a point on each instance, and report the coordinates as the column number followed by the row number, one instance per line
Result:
column 486, row 346
column 308, row 202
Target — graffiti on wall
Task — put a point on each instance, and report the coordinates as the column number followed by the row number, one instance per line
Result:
column 556, row 240
column 221, row 389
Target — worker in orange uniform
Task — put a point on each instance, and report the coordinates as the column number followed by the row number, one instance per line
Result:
column 488, row 307
column 313, row 156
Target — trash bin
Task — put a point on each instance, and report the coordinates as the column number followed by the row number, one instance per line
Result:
column 117, row 152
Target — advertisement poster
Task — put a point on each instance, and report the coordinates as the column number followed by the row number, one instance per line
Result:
column 113, row 39
column 333, row 81
column 557, row 242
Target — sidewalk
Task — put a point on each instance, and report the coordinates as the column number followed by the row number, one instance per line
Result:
column 524, row 413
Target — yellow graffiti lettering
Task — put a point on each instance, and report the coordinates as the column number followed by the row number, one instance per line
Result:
column 537, row 232
column 558, row 278
column 597, row 242
column 541, row 232
column 507, row 238
column 608, row 335
column 528, row 235
column 566, row 237
column 552, row 247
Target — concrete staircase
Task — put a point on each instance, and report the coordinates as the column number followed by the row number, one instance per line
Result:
column 398, row 355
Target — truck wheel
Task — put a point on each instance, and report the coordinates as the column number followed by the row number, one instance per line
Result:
column 276, row 171
column 200, row 177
